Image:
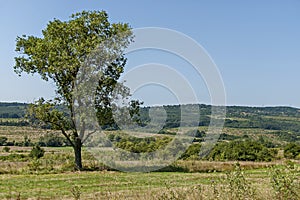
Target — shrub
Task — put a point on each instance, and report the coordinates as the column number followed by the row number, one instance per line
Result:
column 196, row 133
column 6, row 149
column 292, row 150
column 3, row 141
column 285, row 182
column 142, row 145
column 238, row 186
column 51, row 140
column 14, row 157
column 37, row 152
column 192, row 152
column 242, row 151
column 76, row 192
column 25, row 143
column 34, row 165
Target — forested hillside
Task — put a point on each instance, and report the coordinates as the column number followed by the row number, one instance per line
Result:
column 12, row 110
column 269, row 118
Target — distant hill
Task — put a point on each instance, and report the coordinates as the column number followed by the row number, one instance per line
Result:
column 12, row 110
column 17, row 110
column 267, row 118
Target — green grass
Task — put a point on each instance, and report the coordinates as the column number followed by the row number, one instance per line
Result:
column 119, row 185
column 55, row 179
column 59, row 185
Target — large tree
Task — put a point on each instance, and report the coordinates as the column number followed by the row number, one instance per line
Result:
column 60, row 55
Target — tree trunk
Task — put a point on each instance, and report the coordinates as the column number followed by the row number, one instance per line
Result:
column 77, row 151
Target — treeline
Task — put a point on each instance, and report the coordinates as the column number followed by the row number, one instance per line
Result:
column 264, row 123
column 242, row 149
column 227, row 149
column 269, row 118
column 139, row 145
column 47, row 140
column 12, row 110
column 14, row 122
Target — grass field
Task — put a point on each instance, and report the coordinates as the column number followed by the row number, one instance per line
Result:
column 117, row 185
column 53, row 177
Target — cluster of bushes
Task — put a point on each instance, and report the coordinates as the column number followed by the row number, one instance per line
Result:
column 252, row 117
column 3, row 141
column 233, row 150
column 53, row 140
column 25, row 143
column 14, row 123
column 292, row 151
column 247, row 150
column 192, row 153
column 47, row 140
column 237, row 150
column 140, row 145
column 263, row 123
column 286, row 136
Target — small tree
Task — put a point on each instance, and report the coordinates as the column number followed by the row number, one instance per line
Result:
column 60, row 55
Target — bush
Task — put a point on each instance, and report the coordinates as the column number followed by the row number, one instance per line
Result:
column 196, row 133
column 3, row 141
column 285, row 183
column 292, row 150
column 142, row 145
column 37, row 152
column 14, row 157
column 25, row 143
column 51, row 140
column 238, row 186
column 192, row 152
column 242, row 151
column 6, row 149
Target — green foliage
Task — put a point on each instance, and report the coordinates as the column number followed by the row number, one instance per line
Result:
column 291, row 150
column 141, row 145
column 225, row 136
column 268, row 118
column 239, row 188
column 282, row 119
column 27, row 142
column 13, row 122
column 36, row 152
column 6, row 149
column 286, row 136
column 34, row 165
column 52, row 140
column 12, row 110
column 13, row 157
column 59, row 55
column 196, row 133
column 3, row 141
column 285, row 182
column 76, row 192
column 247, row 150
column 192, row 153
column 266, row 142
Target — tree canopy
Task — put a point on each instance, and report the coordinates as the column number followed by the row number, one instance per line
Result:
column 59, row 56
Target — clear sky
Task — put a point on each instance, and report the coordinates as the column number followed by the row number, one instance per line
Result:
column 255, row 44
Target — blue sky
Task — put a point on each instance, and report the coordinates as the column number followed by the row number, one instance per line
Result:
column 255, row 44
